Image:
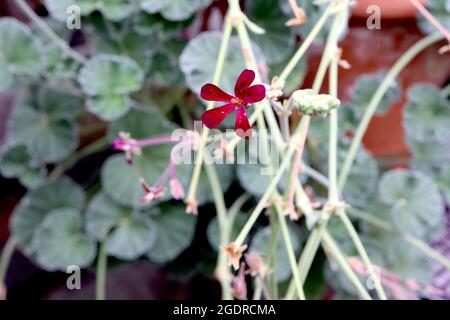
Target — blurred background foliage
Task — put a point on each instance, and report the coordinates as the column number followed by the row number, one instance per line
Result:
column 146, row 63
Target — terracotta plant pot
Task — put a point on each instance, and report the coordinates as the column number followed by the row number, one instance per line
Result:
column 390, row 9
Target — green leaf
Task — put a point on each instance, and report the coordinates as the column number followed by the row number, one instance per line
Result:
column 38, row 203
column 174, row 10
column 115, row 10
column 6, row 79
column 427, row 114
column 106, row 74
column 364, row 89
column 60, row 242
column 261, row 243
column 108, row 79
column 48, row 139
column 198, row 61
column 440, row 9
column 110, row 107
column 58, row 64
column 127, row 233
column 15, row 162
column 278, row 41
column 58, row 105
column 19, row 49
column 175, row 230
column 416, row 204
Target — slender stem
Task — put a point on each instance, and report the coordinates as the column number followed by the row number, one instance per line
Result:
column 228, row 27
column 341, row 260
column 333, row 134
column 315, row 237
column 306, row 43
column 418, row 244
column 363, row 253
column 72, row 159
column 100, row 281
column 49, row 32
column 225, row 229
column 5, row 258
column 290, row 252
column 404, row 60
column 270, row 189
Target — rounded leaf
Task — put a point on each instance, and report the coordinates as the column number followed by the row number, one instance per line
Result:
column 416, row 204
column 105, row 75
column 48, row 139
column 18, row 47
column 59, row 241
column 174, row 10
column 127, row 233
column 175, row 230
column 38, row 203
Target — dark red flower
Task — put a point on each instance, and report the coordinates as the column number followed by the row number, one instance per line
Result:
column 244, row 94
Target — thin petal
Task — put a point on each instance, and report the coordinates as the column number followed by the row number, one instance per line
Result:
column 211, row 92
column 244, row 81
column 242, row 126
column 255, row 93
column 214, row 117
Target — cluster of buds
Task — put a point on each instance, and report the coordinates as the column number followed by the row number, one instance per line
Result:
column 133, row 147
column 309, row 102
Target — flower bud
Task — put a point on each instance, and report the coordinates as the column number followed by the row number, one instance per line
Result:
column 308, row 102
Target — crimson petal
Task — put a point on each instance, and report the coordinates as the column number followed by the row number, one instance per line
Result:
column 211, row 92
column 242, row 126
column 214, row 117
column 255, row 93
column 244, row 81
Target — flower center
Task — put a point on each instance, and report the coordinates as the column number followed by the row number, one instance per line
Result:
column 237, row 102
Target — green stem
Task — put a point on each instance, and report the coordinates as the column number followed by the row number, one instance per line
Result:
column 290, row 252
column 100, row 281
column 95, row 146
column 225, row 229
column 228, row 27
column 401, row 63
column 363, row 253
column 270, row 189
column 49, row 32
column 306, row 43
column 341, row 260
column 5, row 258
column 418, row 244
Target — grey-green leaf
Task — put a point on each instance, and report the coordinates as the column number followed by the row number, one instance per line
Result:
column 175, row 230
column 60, row 242
column 38, row 203
column 416, row 204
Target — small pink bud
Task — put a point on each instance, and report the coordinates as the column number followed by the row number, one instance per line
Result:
column 239, row 286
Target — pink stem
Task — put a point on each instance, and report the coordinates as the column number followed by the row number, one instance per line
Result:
column 154, row 141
